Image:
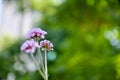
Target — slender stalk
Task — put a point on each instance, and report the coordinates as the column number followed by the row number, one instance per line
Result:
column 46, row 70
column 36, row 64
column 41, row 60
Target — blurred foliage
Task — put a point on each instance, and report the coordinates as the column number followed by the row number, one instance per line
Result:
column 86, row 38
column 7, row 39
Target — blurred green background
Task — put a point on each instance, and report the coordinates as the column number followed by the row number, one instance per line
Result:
column 86, row 38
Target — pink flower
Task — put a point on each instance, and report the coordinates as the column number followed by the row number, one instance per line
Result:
column 36, row 32
column 46, row 44
column 29, row 46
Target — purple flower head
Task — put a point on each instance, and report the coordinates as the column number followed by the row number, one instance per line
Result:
column 36, row 33
column 46, row 44
column 29, row 46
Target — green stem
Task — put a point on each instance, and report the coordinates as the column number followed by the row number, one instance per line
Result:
column 46, row 70
column 41, row 60
column 36, row 64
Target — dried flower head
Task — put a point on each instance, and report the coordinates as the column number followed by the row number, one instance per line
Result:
column 46, row 44
column 36, row 33
column 29, row 46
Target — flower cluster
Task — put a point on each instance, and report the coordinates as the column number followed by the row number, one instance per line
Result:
column 36, row 33
column 30, row 46
column 46, row 45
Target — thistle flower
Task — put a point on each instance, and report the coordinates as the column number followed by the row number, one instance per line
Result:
column 36, row 33
column 29, row 46
column 46, row 44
